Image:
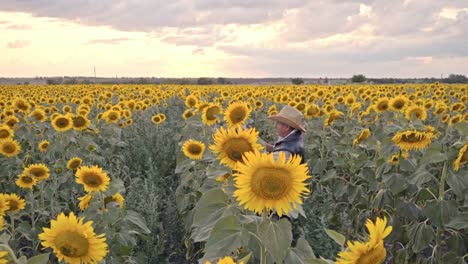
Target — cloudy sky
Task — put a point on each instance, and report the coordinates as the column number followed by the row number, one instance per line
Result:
column 236, row 38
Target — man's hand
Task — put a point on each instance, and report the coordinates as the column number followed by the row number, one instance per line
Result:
column 269, row 147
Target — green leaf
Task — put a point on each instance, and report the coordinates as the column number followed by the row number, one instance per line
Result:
column 4, row 238
column 117, row 185
column 459, row 222
column 458, row 184
column 420, row 177
column 440, row 212
column 337, row 237
column 395, row 182
column 211, row 207
column 137, row 220
column 226, row 236
column 39, row 259
column 420, row 236
column 276, row 237
column 433, row 156
column 300, row 253
column 319, row 261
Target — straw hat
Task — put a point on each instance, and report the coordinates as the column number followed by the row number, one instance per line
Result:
column 289, row 116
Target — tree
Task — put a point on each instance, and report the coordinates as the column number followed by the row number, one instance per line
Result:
column 221, row 80
column 204, row 81
column 457, row 78
column 358, row 78
column 297, row 81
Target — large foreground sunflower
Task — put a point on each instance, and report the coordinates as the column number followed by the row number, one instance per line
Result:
column 462, row 158
column 74, row 241
column 236, row 114
column 193, row 149
column 93, row 178
column 413, row 139
column 3, row 254
column 370, row 252
column 225, row 260
column 265, row 183
column 231, row 144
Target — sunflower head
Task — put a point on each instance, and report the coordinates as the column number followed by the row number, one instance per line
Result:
column 74, row 163
column 413, row 140
column 92, row 178
column 80, row 122
column 43, row 145
column 362, row 136
column 85, row 201
column 116, row 198
column 39, row 171
column 6, row 132
column 416, row 111
column 236, row 114
column 209, row 114
column 9, row 147
column 462, row 158
column 26, row 181
column 73, row 241
column 62, row 123
column 263, row 183
column 231, row 144
column 38, row 114
column 193, row 149
column 15, row 202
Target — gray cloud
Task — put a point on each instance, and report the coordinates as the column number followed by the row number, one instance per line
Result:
column 18, row 44
column 108, row 41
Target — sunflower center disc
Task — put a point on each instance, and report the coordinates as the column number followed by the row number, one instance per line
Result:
column 37, row 172
column 194, row 149
column 62, row 122
column 13, row 205
column 92, row 180
column 4, row 133
column 237, row 115
column 27, row 179
column 271, row 183
column 236, row 147
column 72, row 244
column 9, row 148
column 410, row 138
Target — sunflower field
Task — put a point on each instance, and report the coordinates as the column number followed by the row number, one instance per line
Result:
column 180, row 174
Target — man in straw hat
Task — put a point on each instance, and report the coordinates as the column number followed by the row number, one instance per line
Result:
column 289, row 129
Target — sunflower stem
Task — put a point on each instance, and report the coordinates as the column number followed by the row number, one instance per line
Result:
column 440, row 230
column 262, row 248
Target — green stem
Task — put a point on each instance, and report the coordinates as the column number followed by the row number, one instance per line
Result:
column 440, row 230
column 262, row 248
column 10, row 252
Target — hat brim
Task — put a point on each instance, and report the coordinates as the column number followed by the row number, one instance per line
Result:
column 287, row 122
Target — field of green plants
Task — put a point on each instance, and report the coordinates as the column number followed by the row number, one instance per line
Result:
column 179, row 174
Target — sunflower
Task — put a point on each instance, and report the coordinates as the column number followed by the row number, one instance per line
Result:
column 394, row 159
column 382, row 104
column 80, row 122
column 312, row 110
column 225, row 260
column 398, row 103
column 116, row 198
column 11, row 121
column 9, row 147
column 191, row 101
column 6, row 132
column 231, row 144
column 15, row 202
column 455, row 119
column 265, row 183
column 158, row 119
column 38, row 114
column 362, row 136
column 370, row 252
column 416, row 111
column 85, row 201
column 462, row 158
column 209, row 114
column 193, row 149
column 74, row 163
column 187, row 114
column 4, row 204
column 43, row 145
column 2, row 226
column 62, row 123
column 111, row 116
column 39, row 171
column 26, row 181
column 74, row 241
column 332, row 117
column 3, row 254
column 93, row 178
column 236, row 114
column 413, row 139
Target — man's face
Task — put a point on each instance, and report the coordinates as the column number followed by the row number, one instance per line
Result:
column 282, row 129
